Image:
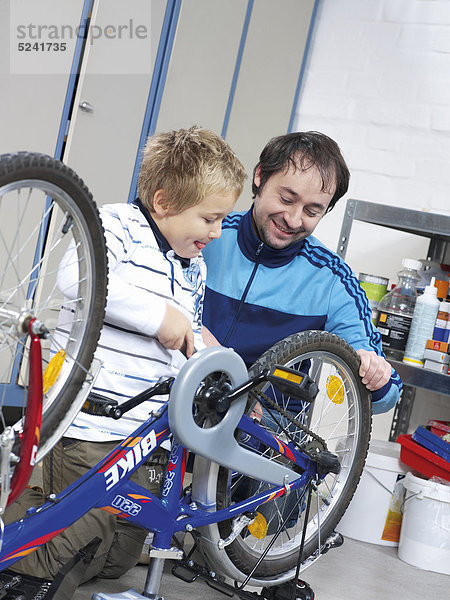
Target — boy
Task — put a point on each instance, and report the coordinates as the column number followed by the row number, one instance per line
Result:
column 188, row 182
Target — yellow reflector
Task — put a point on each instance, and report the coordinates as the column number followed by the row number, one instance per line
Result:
column 289, row 376
column 52, row 371
column 258, row 528
column 335, row 389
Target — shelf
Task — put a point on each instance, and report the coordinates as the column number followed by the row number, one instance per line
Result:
column 422, row 378
column 434, row 226
column 426, row 224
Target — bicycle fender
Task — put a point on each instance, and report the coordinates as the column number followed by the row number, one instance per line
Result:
column 218, row 443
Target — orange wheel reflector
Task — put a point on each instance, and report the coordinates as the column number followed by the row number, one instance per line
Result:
column 335, row 389
column 258, row 528
column 52, row 371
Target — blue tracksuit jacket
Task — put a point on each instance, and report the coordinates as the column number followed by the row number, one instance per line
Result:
column 256, row 296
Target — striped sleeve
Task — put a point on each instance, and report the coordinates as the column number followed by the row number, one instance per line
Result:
column 348, row 313
column 144, row 311
column 349, row 317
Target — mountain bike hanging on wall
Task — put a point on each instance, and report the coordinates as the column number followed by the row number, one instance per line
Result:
column 44, row 209
column 262, row 492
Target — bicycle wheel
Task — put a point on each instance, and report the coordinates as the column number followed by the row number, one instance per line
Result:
column 45, row 210
column 341, row 415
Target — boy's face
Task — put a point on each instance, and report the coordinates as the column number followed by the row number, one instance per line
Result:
column 189, row 231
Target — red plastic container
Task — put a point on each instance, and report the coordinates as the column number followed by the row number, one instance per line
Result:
column 422, row 460
column 439, row 428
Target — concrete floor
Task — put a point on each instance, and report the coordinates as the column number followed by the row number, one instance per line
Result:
column 355, row 571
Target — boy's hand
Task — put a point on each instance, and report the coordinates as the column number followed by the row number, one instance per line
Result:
column 257, row 412
column 175, row 332
column 374, row 370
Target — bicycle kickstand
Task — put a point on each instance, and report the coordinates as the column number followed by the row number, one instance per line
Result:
column 153, row 581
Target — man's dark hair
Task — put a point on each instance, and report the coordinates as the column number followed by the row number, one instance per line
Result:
column 303, row 150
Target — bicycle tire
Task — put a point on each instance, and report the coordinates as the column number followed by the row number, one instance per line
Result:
column 337, row 359
column 45, row 205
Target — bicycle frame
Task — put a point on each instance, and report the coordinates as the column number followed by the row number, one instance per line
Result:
column 107, row 486
column 29, row 436
column 31, row 428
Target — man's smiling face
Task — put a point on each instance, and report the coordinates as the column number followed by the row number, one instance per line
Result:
column 289, row 206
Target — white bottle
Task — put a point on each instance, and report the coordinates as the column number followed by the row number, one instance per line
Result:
column 424, row 318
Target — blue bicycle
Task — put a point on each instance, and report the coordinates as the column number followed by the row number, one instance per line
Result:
column 277, row 450
column 266, row 492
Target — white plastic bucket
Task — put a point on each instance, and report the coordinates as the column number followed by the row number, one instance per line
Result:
column 425, row 534
column 368, row 517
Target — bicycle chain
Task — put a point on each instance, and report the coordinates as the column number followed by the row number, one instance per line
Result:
column 274, row 405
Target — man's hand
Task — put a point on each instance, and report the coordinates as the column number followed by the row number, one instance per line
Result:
column 375, row 371
column 176, row 332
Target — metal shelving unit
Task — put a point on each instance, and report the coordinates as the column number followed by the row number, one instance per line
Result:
column 436, row 227
column 430, row 225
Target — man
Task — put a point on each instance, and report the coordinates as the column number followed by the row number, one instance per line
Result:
column 269, row 277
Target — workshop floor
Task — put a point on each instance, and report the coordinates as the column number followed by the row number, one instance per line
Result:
column 355, row 571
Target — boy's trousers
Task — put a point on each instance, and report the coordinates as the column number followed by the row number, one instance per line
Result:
column 122, row 542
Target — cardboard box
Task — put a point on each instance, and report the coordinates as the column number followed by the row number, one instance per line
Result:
column 440, row 346
column 435, row 366
column 440, row 357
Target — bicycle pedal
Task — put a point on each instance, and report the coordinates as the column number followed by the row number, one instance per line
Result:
column 14, row 586
column 334, row 540
column 172, row 553
column 303, row 591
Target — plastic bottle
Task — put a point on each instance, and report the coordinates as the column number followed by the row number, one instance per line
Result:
column 424, row 319
column 430, row 268
column 396, row 309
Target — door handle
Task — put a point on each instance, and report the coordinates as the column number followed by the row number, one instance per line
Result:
column 86, row 106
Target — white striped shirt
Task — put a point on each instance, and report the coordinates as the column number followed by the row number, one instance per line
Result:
column 142, row 280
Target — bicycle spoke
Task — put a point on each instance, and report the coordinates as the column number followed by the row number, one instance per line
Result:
column 340, row 417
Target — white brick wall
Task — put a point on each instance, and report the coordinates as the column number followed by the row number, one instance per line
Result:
column 378, row 81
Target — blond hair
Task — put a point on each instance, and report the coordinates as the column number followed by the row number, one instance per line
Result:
column 189, row 164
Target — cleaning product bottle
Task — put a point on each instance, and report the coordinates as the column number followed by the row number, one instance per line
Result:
column 424, row 319
column 396, row 309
